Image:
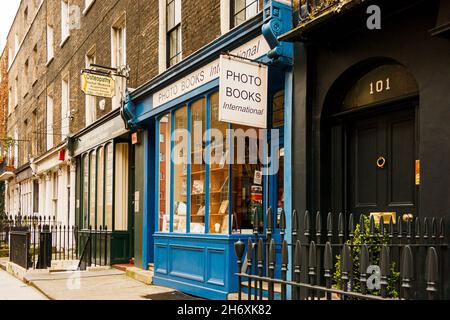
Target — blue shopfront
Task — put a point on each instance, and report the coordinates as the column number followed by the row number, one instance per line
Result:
column 195, row 209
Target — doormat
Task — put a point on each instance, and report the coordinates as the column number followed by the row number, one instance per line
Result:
column 174, row 295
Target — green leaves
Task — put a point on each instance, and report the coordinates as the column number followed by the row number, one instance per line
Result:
column 374, row 244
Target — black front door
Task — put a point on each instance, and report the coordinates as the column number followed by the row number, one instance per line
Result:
column 381, row 164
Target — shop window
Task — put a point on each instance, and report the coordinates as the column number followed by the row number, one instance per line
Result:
column 85, row 186
column 247, row 184
column 278, row 109
column 277, row 182
column 92, row 193
column 121, row 187
column 198, row 167
column 179, row 159
column 105, row 187
column 219, row 172
column 242, row 10
column 100, row 185
column 109, row 186
column 164, row 173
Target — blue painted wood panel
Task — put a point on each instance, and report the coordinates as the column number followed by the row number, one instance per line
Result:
column 201, row 265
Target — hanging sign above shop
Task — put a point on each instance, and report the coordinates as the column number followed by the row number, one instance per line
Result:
column 243, row 92
column 98, row 85
column 253, row 49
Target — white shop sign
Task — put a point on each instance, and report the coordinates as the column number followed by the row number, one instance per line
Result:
column 253, row 49
column 243, row 92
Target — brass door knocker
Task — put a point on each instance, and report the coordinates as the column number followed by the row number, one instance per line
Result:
column 381, row 162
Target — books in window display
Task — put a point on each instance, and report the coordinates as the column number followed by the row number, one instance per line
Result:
column 198, row 187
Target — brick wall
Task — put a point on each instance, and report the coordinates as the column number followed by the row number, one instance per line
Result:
column 200, row 24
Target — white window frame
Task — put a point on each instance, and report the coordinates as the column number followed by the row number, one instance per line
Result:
column 90, row 101
column 49, row 131
column 119, row 59
column 65, row 30
column 65, row 107
column 16, row 91
column 248, row 10
column 10, row 101
column 16, row 148
column 175, row 28
column 87, row 5
column 50, row 44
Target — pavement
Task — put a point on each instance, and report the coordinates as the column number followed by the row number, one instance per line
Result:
column 110, row 284
column 14, row 289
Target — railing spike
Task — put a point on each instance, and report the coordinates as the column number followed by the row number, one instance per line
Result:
column 382, row 228
column 330, row 226
column 409, row 229
column 284, row 253
column 434, row 227
column 407, row 271
column 269, row 222
column 432, row 272
column 294, row 225
column 372, row 226
column 391, row 228
column 346, row 266
column 442, row 229
column 425, row 228
column 282, row 223
column 297, row 254
column 272, row 252
column 341, row 227
column 417, row 228
column 307, row 225
column 318, row 226
column 400, row 228
column 312, row 261
column 364, row 264
column 351, row 226
column 385, row 264
column 328, row 257
column 255, row 221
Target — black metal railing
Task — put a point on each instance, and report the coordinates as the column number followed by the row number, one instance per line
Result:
column 48, row 240
column 329, row 259
column 94, row 249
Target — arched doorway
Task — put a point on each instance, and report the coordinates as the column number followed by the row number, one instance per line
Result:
column 370, row 142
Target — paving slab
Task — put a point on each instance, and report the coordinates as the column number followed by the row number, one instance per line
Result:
column 100, row 285
column 14, row 289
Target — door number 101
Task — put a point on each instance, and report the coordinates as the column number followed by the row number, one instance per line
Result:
column 380, row 86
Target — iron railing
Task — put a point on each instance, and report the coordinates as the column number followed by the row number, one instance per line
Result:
column 344, row 260
column 50, row 240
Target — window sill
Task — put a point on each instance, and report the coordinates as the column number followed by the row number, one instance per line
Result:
column 34, row 82
column 63, row 42
column 49, row 61
column 86, row 10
